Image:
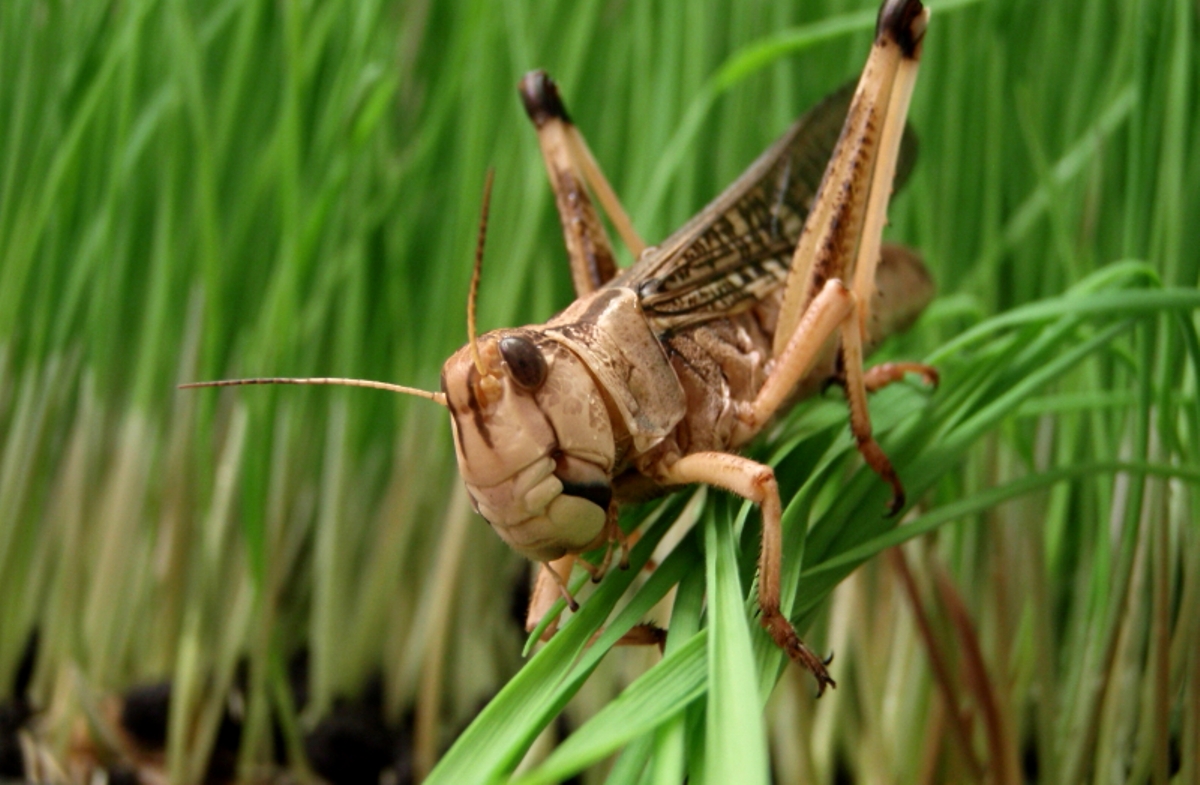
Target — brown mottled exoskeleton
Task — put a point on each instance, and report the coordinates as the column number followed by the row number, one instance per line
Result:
column 656, row 375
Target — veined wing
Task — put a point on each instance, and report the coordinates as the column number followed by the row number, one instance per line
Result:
column 738, row 249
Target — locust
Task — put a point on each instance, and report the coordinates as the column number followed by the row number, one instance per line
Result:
column 657, row 375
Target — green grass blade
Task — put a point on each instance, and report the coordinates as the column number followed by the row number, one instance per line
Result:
column 735, row 748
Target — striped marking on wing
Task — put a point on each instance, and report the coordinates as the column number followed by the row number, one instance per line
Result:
column 738, row 249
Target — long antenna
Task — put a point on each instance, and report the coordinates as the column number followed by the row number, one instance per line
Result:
column 436, row 397
column 474, row 292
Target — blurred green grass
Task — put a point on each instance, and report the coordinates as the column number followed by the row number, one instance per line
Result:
column 224, row 188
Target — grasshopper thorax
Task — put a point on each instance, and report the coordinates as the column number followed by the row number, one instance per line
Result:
column 534, row 441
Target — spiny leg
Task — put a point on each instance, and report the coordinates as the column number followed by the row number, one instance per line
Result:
column 569, row 164
column 903, row 288
column 860, row 418
column 857, row 183
column 756, row 482
column 841, row 237
column 902, row 26
column 592, row 262
column 830, row 312
column 643, row 634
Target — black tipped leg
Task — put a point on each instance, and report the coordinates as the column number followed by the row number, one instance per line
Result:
column 540, row 95
column 904, row 22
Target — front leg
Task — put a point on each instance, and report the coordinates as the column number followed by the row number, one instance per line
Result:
column 756, row 482
column 549, row 585
column 552, row 577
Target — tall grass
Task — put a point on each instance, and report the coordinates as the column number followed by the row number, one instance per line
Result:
column 224, row 188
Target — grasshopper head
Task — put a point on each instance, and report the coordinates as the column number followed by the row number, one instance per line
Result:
column 534, row 441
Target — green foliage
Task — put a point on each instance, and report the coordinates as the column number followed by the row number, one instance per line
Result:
column 229, row 188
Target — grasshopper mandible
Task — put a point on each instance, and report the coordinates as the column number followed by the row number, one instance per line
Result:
column 657, row 374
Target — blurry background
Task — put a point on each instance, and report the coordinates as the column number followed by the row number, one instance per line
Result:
column 223, row 188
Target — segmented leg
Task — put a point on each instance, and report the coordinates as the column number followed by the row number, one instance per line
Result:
column 570, row 164
column 841, row 237
column 902, row 26
column 551, row 584
column 559, row 571
column 880, row 376
column 644, row 634
column 884, row 375
column 756, row 482
column 552, row 576
column 546, row 591
column 860, row 418
column 842, row 234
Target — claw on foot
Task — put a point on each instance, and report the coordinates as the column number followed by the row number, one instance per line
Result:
column 784, row 635
column 597, row 571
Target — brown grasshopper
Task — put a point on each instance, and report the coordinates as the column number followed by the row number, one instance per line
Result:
column 657, row 374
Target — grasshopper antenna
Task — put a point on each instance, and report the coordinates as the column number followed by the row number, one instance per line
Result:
column 436, row 397
column 474, row 292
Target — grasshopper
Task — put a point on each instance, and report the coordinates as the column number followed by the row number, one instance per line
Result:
column 656, row 375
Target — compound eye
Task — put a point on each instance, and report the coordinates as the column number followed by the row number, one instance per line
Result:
column 525, row 362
